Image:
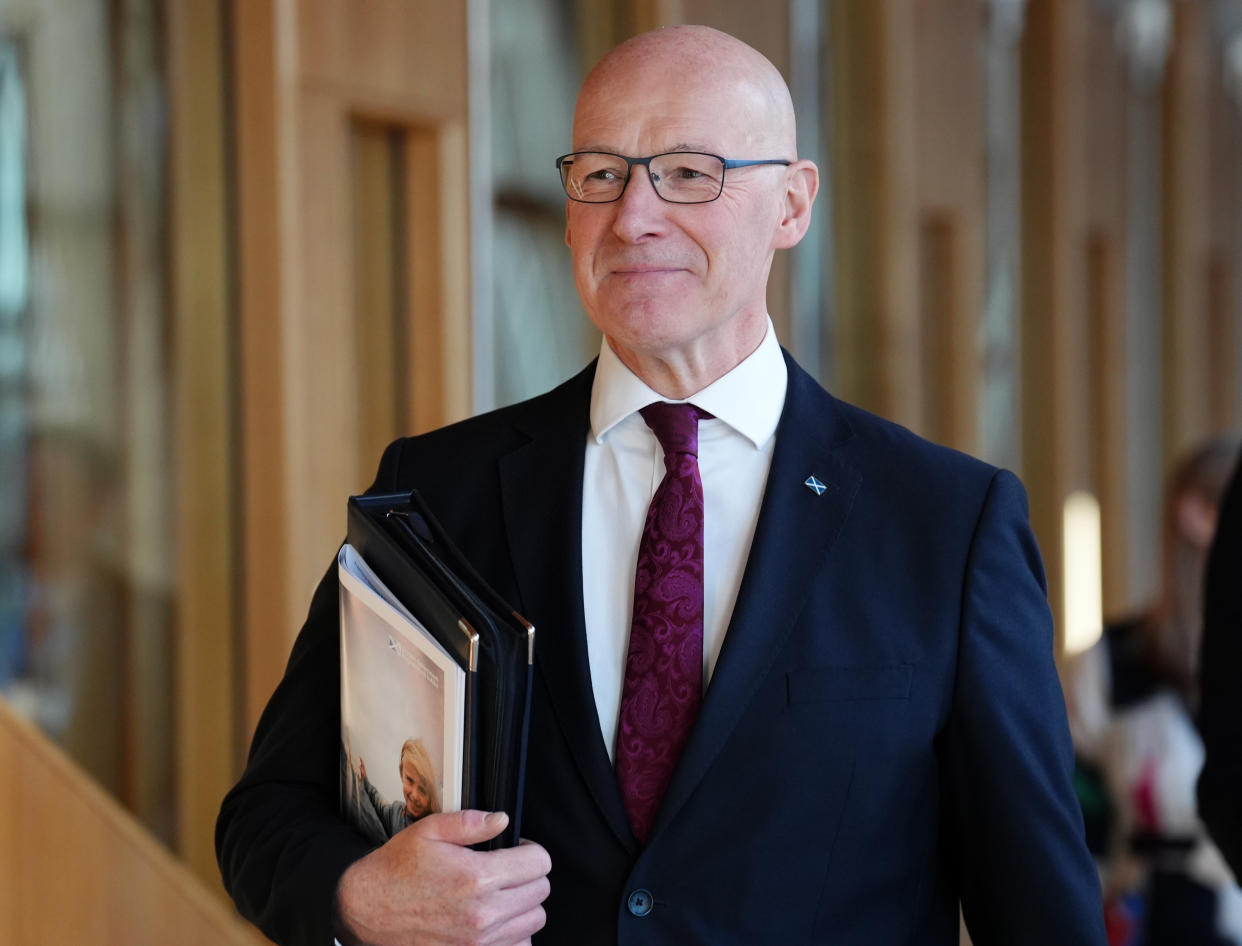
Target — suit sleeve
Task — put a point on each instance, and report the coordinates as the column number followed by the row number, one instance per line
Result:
column 1026, row 874
column 1220, row 717
column 281, row 842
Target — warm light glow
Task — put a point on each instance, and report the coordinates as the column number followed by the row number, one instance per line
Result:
column 1084, row 610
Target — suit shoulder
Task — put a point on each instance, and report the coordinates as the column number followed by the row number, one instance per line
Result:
column 889, row 447
column 901, row 469
column 856, row 430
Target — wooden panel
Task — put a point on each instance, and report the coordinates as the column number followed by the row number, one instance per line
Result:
column 454, row 256
column 949, row 88
column 1107, row 96
column 378, row 203
column 10, row 816
column 1054, row 324
column 1225, row 265
column 950, row 174
column 946, row 364
column 652, row 14
column 65, row 840
column 1222, row 328
column 203, row 403
column 438, row 301
column 308, row 73
column 1187, row 221
column 321, row 390
column 265, row 204
column 407, row 56
column 874, row 159
column 1107, row 315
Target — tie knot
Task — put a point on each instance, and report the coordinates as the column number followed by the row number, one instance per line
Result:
column 676, row 426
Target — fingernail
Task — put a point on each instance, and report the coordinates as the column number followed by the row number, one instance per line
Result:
column 495, row 818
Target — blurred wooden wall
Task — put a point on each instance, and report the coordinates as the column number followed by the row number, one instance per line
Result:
column 76, row 868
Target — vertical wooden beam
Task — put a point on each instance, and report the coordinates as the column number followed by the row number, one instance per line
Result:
column 1224, row 276
column 951, row 197
column 874, row 158
column 1053, row 280
column 455, row 266
column 321, row 368
column 1106, row 249
column 1106, row 405
column 439, row 283
column 11, row 761
column 261, row 34
column 147, row 687
column 652, row 14
column 376, row 151
column 423, row 222
column 203, row 398
column 1187, row 221
column 940, row 299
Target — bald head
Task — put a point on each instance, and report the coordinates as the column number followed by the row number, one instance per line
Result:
column 696, row 63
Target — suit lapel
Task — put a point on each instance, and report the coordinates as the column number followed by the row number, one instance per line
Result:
column 793, row 536
column 541, row 490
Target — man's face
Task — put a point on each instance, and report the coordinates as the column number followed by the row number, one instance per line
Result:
column 658, row 277
column 416, row 800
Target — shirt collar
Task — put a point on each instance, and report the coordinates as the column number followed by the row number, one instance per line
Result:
column 749, row 398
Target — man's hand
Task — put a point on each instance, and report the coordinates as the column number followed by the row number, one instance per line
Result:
column 425, row 886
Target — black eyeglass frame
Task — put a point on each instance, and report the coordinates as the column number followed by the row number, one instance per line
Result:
column 728, row 164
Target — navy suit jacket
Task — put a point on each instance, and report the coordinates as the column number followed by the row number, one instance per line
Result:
column 884, row 734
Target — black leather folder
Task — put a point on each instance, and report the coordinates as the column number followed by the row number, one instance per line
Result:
column 408, row 550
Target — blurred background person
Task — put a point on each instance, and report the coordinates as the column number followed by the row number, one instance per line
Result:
column 1133, row 701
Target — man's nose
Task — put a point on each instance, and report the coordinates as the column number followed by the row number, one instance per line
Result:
column 640, row 210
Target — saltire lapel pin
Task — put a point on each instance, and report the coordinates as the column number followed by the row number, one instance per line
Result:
column 815, row 486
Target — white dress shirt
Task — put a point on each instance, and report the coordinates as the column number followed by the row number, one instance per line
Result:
column 624, row 465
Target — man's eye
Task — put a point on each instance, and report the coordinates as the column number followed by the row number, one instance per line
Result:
column 686, row 174
column 604, row 176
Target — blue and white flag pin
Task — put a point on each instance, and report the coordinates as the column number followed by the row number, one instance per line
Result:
column 815, row 486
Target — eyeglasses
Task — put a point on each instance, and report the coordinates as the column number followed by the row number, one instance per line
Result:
column 680, row 177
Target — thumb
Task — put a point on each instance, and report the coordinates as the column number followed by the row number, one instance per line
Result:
column 462, row 827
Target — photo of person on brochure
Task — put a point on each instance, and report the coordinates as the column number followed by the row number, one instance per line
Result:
column 420, row 794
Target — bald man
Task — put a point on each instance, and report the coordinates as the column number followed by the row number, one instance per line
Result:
column 854, row 724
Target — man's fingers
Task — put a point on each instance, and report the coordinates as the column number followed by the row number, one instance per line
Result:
column 516, row 866
column 461, row 827
column 519, row 930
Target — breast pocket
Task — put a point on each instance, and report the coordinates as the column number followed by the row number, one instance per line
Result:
column 836, row 684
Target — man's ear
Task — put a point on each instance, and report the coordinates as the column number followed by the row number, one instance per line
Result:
column 801, row 186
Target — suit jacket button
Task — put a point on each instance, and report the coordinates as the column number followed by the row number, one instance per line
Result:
column 640, row 902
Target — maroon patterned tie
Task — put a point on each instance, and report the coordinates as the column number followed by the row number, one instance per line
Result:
column 664, row 666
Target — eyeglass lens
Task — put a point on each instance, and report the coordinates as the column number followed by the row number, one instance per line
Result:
column 683, row 177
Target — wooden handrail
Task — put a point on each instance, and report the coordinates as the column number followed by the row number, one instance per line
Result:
column 75, row 867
